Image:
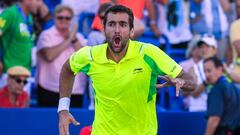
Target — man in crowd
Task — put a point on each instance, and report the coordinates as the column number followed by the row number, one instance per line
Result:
column 223, row 104
column 13, row 95
column 124, row 75
column 15, row 32
column 198, row 98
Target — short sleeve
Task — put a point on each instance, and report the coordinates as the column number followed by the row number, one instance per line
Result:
column 79, row 61
column 44, row 40
column 234, row 31
column 5, row 21
column 215, row 103
column 161, row 62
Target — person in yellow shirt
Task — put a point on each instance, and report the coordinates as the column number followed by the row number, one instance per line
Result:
column 124, row 76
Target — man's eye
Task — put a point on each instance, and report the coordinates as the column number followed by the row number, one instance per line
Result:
column 123, row 24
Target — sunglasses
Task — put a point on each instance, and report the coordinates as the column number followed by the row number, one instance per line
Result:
column 19, row 81
column 64, row 18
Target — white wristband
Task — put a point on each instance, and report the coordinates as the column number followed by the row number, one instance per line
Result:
column 63, row 104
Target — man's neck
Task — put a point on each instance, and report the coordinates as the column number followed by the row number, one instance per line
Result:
column 116, row 56
column 25, row 10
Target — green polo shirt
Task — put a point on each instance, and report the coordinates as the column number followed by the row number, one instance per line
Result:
column 125, row 92
column 16, row 41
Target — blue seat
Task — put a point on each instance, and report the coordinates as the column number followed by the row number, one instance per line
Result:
column 85, row 22
column 149, row 37
column 178, row 54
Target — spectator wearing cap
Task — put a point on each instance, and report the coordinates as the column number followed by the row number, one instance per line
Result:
column 13, row 95
column 193, row 55
column 198, row 98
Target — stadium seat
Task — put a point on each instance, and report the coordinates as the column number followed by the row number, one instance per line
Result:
column 85, row 22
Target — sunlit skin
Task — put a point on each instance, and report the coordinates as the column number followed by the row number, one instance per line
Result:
column 212, row 73
column 117, row 31
column 207, row 51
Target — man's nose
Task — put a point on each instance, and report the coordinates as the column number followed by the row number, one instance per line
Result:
column 117, row 28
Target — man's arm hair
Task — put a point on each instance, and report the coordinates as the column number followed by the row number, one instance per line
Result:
column 189, row 84
column 212, row 123
column 66, row 80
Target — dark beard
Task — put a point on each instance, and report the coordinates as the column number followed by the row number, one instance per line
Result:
column 123, row 44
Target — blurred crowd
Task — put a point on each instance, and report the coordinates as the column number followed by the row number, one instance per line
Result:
column 38, row 36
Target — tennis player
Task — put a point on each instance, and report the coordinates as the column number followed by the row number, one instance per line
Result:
column 124, row 75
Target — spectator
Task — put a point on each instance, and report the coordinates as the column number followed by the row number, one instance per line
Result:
column 223, row 105
column 96, row 36
column 174, row 23
column 15, row 31
column 198, row 98
column 194, row 56
column 192, row 53
column 233, row 70
column 209, row 16
column 54, row 47
column 138, row 10
column 13, row 95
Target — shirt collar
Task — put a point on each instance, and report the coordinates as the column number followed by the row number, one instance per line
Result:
column 222, row 78
column 132, row 52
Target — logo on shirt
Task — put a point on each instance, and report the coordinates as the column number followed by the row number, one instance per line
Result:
column 174, row 67
column 137, row 70
column 2, row 22
column 24, row 30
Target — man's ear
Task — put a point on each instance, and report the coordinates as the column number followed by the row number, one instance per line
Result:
column 132, row 33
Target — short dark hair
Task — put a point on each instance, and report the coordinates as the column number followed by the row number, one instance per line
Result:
column 119, row 9
column 216, row 61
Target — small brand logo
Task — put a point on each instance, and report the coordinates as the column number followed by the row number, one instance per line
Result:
column 137, row 70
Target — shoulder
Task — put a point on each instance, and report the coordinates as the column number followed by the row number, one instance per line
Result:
column 99, row 49
column 10, row 10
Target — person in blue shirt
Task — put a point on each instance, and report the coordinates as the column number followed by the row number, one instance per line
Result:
column 223, row 104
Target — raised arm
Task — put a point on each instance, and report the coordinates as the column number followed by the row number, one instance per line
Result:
column 183, row 81
column 65, row 90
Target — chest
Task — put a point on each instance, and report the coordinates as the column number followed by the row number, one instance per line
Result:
column 110, row 79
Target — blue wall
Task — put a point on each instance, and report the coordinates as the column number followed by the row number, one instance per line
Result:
column 39, row 121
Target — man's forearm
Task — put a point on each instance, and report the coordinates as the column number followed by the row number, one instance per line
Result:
column 212, row 124
column 66, row 80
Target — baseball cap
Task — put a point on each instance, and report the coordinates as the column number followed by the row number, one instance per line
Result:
column 209, row 40
column 18, row 71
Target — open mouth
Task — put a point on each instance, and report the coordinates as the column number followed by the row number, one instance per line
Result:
column 117, row 40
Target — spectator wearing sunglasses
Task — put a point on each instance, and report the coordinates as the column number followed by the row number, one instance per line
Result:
column 54, row 47
column 13, row 95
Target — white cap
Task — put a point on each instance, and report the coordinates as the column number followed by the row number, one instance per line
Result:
column 209, row 40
